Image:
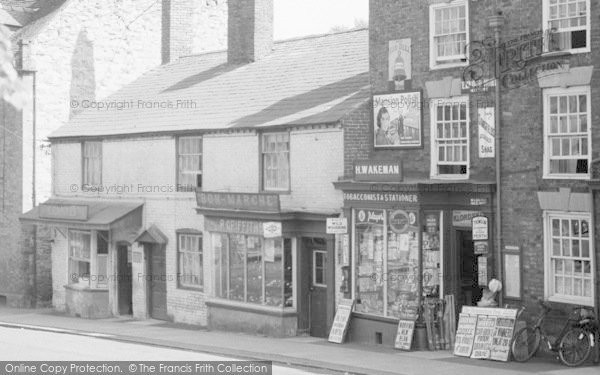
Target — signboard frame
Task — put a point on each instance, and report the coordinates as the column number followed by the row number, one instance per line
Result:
column 404, row 334
column 336, row 225
column 480, row 228
column 341, row 321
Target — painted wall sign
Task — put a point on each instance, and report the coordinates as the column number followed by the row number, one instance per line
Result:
column 404, row 335
column 465, row 334
column 370, row 216
column 480, row 228
column 399, row 62
column 378, row 170
column 233, row 226
column 272, row 229
column 341, row 321
column 382, row 197
column 487, row 134
column 63, row 211
column 336, row 225
column 397, row 119
column 461, row 218
column 238, row 201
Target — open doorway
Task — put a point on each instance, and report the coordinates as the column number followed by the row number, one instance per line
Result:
column 124, row 282
column 469, row 292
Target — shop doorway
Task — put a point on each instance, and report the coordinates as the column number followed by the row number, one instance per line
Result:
column 316, row 286
column 124, row 282
column 469, row 292
column 157, row 281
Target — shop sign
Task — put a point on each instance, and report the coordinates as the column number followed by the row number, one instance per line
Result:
column 481, row 247
column 401, row 221
column 337, row 225
column 272, row 229
column 378, row 170
column 238, row 201
column 64, row 211
column 341, row 321
column 480, row 228
column 478, row 201
column 404, row 335
column 487, row 134
column 233, row 226
column 370, row 217
column 464, row 218
column 381, row 197
column 397, row 120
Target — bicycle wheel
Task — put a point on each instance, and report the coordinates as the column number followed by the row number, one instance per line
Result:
column 525, row 344
column 575, row 347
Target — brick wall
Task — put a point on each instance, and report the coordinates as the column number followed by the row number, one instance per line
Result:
column 521, row 111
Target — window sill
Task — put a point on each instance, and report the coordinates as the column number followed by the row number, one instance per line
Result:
column 588, row 301
column 567, row 177
column 449, row 65
column 191, row 288
column 250, row 307
column 377, row 318
column 447, row 177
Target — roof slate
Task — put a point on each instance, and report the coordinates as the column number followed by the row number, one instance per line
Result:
column 311, row 80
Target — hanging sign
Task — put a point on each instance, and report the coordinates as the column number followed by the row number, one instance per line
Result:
column 404, row 336
column 272, row 229
column 337, row 225
column 480, row 228
column 341, row 321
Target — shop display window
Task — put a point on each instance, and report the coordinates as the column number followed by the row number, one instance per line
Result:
column 432, row 254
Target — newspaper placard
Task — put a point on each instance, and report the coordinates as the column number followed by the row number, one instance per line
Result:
column 465, row 334
column 341, row 321
column 483, row 336
column 503, row 333
column 404, row 336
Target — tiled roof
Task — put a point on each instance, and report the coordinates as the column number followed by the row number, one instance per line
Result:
column 34, row 15
column 310, row 80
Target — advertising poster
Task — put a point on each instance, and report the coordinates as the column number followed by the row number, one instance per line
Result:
column 486, row 123
column 341, row 321
column 465, row 334
column 399, row 62
column 484, row 334
column 404, row 335
column 397, row 120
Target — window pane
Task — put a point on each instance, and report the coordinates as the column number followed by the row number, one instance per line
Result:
column 255, row 270
column 220, row 246
column 237, row 259
column 273, row 253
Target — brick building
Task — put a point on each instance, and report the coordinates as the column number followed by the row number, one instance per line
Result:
column 72, row 55
column 420, row 183
column 201, row 195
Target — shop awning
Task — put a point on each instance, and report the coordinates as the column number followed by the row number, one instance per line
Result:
column 152, row 235
column 116, row 215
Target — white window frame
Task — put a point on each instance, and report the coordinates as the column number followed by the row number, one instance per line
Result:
column 434, row 62
column 324, row 268
column 546, row 28
column 548, row 273
column 433, row 131
column 181, row 252
column 180, row 155
column 263, row 153
column 575, row 90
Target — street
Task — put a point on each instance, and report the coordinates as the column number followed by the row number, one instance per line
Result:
column 30, row 345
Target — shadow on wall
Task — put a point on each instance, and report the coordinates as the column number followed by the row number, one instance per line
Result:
column 83, row 75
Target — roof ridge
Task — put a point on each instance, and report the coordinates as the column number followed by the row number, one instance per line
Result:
column 282, row 41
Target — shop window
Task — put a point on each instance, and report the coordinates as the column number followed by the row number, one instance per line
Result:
column 79, row 257
column 569, row 258
column 432, row 245
column 189, row 163
column 102, row 258
column 276, row 161
column 449, row 33
column 567, row 22
column 319, row 268
column 253, row 269
column 92, row 163
column 387, row 258
column 450, row 145
column 189, row 250
column 567, row 128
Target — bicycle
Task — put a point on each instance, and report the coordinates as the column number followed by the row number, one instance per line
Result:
column 574, row 343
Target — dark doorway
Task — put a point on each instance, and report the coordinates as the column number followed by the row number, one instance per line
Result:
column 124, row 280
column 316, row 275
column 157, row 282
column 469, row 292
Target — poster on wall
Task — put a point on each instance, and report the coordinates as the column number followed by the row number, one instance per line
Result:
column 512, row 275
column 341, row 321
column 397, row 120
column 399, row 62
column 487, row 134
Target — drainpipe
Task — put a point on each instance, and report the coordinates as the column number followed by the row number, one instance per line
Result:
column 495, row 22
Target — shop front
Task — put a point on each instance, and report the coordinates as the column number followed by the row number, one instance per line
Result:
column 412, row 244
column 91, row 253
column 272, row 270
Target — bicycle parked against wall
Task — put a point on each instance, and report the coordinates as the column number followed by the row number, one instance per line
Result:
column 573, row 344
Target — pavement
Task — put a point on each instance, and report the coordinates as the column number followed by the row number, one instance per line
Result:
column 305, row 352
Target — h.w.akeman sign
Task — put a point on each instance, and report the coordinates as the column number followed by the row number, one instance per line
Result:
column 378, row 170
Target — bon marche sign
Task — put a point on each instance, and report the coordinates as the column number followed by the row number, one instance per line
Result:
column 63, row 211
column 378, row 170
column 238, row 201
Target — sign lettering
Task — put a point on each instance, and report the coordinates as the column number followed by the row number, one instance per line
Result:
column 63, row 211
column 238, row 201
column 341, row 321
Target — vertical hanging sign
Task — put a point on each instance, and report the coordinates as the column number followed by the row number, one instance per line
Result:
column 486, row 125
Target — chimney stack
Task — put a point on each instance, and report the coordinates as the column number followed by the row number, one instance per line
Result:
column 177, row 29
column 249, row 31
